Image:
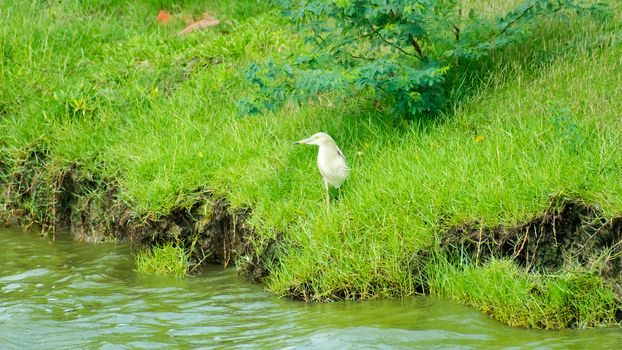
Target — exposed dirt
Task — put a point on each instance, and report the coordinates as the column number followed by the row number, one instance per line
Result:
column 570, row 232
column 38, row 195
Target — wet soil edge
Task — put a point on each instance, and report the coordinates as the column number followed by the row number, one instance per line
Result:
column 570, row 234
column 35, row 193
column 38, row 195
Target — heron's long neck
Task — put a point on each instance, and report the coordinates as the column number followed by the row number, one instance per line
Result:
column 327, row 151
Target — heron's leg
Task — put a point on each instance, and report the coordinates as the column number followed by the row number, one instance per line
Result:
column 327, row 196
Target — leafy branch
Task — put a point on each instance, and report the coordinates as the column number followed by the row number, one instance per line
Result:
column 397, row 47
column 378, row 46
column 514, row 21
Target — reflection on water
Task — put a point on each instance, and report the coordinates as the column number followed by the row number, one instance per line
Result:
column 71, row 295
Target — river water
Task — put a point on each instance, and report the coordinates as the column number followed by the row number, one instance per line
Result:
column 70, row 295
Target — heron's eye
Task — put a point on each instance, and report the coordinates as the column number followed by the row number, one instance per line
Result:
column 317, row 137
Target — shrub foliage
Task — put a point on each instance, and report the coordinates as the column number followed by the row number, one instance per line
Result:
column 403, row 52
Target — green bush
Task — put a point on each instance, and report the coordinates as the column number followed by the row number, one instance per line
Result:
column 403, row 52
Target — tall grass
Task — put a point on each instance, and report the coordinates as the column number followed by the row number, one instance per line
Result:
column 106, row 87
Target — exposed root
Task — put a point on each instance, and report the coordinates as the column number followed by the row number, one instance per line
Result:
column 53, row 197
column 39, row 195
column 569, row 232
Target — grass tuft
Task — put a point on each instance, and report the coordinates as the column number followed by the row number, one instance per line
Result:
column 169, row 259
column 511, row 295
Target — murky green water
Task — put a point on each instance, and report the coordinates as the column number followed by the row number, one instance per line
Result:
column 66, row 295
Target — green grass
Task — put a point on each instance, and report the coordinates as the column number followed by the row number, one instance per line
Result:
column 168, row 259
column 104, row 86
column 577, row 298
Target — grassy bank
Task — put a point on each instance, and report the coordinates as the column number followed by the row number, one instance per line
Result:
column 102, row 85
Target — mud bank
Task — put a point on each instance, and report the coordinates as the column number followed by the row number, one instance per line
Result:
column 39, row 195
column 569, row 234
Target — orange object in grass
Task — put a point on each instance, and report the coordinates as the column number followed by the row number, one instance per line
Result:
column 163, row 17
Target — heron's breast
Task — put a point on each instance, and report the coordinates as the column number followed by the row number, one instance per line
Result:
column 332, row 167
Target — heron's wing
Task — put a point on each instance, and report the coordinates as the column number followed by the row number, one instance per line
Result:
column 340, row 154
column 338, row 170
column 342, row 166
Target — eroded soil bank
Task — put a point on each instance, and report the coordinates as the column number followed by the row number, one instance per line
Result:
column 49, row 198
column 38, row 194
column 569, row 233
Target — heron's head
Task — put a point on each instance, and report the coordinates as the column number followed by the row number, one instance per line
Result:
column 320, row 139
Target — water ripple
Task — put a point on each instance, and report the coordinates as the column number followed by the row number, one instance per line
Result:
column 88, row 296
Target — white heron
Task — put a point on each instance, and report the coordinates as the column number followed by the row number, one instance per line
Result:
column 330, row 161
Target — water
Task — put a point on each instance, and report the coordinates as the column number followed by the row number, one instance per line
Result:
column 67, row 295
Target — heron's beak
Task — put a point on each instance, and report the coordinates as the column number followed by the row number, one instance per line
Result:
column 305, row 141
